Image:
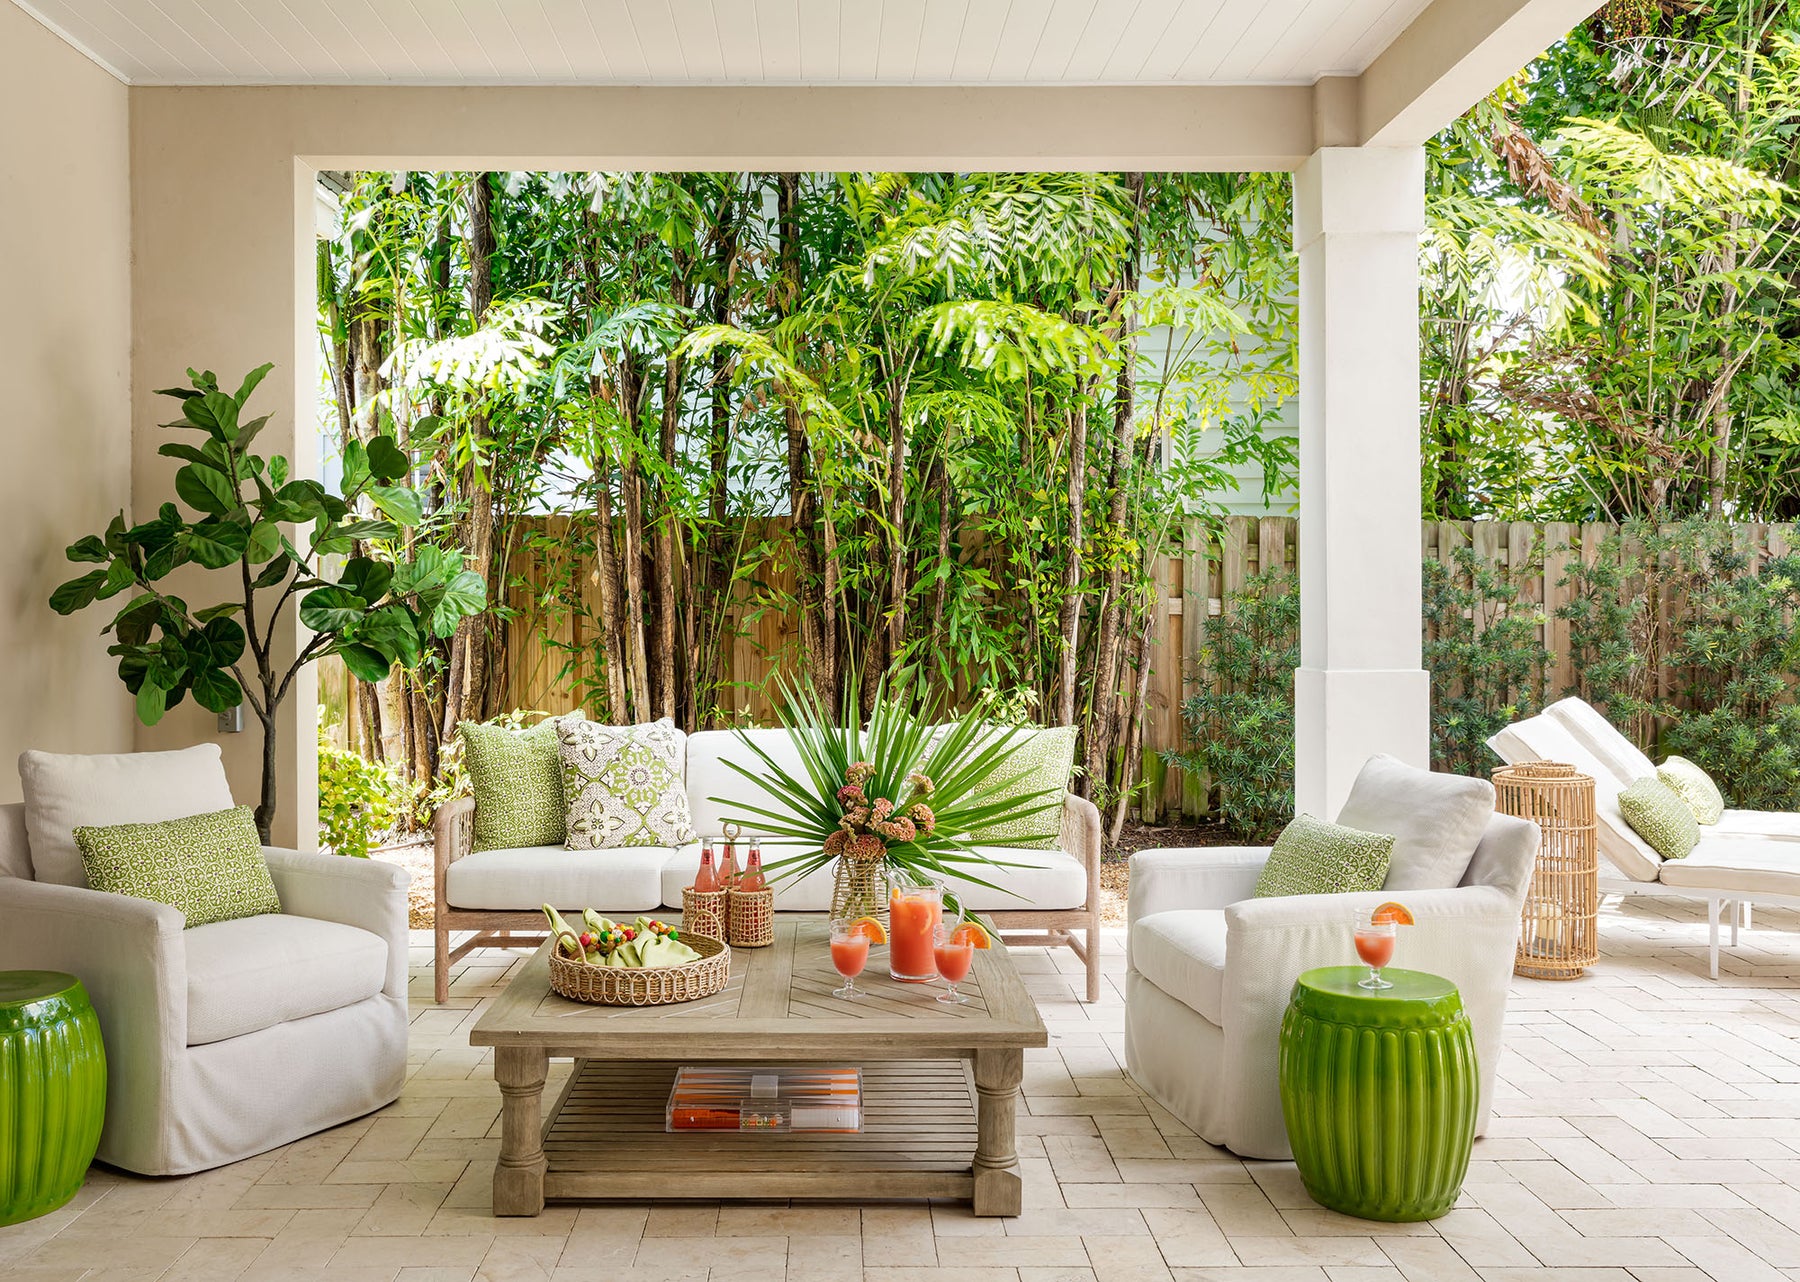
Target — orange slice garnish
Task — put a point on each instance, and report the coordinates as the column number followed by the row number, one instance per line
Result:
column 1397, row 913
column 972, row 933
column 871, row 927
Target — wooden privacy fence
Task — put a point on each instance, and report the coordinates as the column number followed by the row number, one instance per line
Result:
column 1195, row 577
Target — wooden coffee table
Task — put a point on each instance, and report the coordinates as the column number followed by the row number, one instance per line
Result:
column 940, row 1084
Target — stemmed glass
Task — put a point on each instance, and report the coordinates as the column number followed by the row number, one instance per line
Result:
column 954, row 958
column 1374, row 944
column 849, row 954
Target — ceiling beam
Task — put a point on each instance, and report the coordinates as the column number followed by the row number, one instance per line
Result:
column 1454, row 54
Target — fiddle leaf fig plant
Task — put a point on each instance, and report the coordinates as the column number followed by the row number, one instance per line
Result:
column 282, row 536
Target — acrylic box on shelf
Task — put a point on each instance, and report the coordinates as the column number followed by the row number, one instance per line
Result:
column 742, row 1097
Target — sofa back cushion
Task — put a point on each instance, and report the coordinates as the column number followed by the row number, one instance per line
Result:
column 517, row 781
column 1312, row 857
column 625, row 785
column 15, row 846
column 1436, row 820
column 709, row 776
column 64, row 792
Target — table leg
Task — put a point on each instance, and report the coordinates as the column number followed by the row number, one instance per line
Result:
column 519, row 1175
column 997, row 1076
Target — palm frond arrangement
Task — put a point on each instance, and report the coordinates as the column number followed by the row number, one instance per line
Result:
column 918, row 792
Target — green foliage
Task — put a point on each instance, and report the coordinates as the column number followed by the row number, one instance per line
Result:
column 904, row 755
column 359, row 800
column 1693, row 650
column 1242, row 719
column 1482, row 649
column 377, row 614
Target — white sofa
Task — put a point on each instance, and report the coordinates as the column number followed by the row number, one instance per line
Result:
column 1749, row 856
column 1211, row 968
column 1046, row 899
column 230, row 1039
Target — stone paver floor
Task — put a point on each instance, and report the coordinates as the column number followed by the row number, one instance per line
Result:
column 1647, row 1128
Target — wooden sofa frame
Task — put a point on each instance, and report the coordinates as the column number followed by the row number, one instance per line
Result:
column 1077, row 929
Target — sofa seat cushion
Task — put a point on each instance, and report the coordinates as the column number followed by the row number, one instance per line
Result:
column 255, row 972
column 1044, row 880
column 625, row 880
column 1747, row 865
column 1182, row 952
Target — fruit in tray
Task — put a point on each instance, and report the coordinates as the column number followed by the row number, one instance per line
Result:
column 645, row 943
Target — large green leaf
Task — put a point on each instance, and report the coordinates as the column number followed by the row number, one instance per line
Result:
column 387, row 460
column 206, row 490
column 365, row 663
column 214, row 543
column 152, row 702
column 366, row 578
column 224, row 640
column 216, row 412
column 399, row 503
column 464, row 595
column 90, row 548
column 216, row 690
column 78, row 593
column 330, row 609
column 392, row 631
column 264, row 542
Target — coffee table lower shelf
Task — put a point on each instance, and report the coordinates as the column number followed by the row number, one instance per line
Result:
column 605, row 1141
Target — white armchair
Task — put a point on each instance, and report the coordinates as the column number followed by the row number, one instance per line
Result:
column 230, row 1039
column 1211, row 968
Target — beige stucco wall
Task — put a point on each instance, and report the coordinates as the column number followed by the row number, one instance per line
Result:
column 65, row 366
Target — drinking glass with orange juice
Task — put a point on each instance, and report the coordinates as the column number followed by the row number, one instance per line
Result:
column 849, row 954
column 1375, row 930
column 954, row 951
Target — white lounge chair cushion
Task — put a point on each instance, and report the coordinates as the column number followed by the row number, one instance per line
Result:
column 1756, row 823
column 1182, row 952
column 1543, row 738
column 625, row 880
column 1043, row 879
column 252, row 973
column 1621, row 757
column 1738, row 864
column 1436, row 820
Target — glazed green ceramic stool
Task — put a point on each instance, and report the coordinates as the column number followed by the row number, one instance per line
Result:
column 1378, row 1089
column 52, row 1091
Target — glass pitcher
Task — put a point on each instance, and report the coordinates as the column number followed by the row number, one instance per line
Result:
column 914, row 914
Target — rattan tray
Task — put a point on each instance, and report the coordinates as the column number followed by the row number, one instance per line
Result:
column 645, row 985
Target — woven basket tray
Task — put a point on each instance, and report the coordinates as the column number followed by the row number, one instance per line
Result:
column 646, row 985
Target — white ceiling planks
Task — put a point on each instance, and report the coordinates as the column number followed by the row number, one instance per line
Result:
column 697, row 42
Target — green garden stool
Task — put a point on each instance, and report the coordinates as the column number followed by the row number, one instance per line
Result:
column 52, row 1091
column 1378, row 1089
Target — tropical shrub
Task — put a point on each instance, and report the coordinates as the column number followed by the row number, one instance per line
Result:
column 1486, row 662
column 1241, row 722
column 359, row 800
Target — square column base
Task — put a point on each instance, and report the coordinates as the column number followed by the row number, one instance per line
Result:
column 1344, row 716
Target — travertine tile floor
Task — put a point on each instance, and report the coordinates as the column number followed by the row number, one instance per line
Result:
column 1648, row 1129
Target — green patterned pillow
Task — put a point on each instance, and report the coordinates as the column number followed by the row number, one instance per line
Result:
column 624, row 785
column 1694, row 786
column 517, row 781
column 1312, row 857
column 1657, row 813
column 209, row 866
column 1042, row 757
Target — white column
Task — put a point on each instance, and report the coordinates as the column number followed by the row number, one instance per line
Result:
column 1359, row 689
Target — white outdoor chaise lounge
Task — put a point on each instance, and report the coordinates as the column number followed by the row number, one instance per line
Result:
column 1749, row 856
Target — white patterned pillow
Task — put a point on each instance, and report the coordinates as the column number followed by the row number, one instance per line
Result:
column 624, row 785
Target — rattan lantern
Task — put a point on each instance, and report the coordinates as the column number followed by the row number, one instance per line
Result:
column 1559, row 937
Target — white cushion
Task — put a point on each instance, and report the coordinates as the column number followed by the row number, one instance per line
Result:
column 1436, row 820
column 1043, row 880
column 624, row 880
column 1747, row 865
column 255, row 972
column 1757, row 823
column 1182, row 952
column 1543, row 738
column 710, row 775
column 64, row 792
column 1621, row 757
